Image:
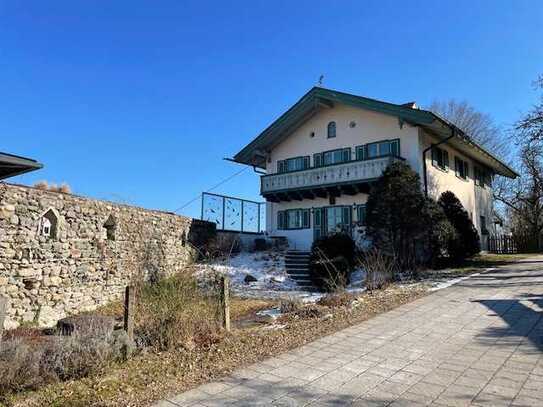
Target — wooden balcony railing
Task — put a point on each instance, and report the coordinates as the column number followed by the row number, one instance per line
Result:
column 352, row 172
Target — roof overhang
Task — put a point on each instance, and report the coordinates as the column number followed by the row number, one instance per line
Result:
column 256, row 152
column 12, row 165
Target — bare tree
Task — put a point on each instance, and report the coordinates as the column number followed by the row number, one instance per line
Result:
column 524, row 197
column 477, row 125
column 530, row 127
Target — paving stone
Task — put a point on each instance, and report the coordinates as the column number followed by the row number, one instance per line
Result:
column 477, row 342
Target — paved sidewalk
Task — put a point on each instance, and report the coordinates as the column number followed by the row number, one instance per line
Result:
column 479, row 342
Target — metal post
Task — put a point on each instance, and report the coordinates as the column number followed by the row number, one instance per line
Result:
column 242, row 216
column 223, row 205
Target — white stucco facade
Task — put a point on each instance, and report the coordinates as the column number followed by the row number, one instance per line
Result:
column 355, row 127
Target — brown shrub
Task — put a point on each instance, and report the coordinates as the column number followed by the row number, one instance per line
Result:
column 176, row 312
column 44, row 185
column 334, row 300
column 289, row 305
column 380, row 269
column 28, row 364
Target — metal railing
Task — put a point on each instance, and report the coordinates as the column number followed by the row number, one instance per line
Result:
column 234, row 214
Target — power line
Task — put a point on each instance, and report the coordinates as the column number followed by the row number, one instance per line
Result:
column 212, row 188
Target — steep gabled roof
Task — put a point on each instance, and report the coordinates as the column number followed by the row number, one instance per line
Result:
column 320, row 98
column 11, row 165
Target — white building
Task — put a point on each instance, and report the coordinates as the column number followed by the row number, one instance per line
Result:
column 322, row 155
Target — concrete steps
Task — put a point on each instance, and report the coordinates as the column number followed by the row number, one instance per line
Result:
column 297, row 266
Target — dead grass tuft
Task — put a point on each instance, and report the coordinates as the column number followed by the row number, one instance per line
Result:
column 335, row 300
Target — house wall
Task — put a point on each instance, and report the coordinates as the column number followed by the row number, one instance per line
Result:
column 46, row 279
column 370, row 127
column 476, row 200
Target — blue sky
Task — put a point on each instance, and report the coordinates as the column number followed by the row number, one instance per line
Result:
column 139, row 101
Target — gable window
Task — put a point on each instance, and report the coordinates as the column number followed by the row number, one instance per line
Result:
column 461, row 168
column 382, row 149
column 293, row 164
column 440, row 158
column 331, row 133
column 341, row 155
column 293, row 219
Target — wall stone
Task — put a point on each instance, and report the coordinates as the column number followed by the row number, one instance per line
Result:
column 83, row 264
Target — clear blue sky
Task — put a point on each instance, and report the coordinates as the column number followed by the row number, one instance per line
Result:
column 139, row 101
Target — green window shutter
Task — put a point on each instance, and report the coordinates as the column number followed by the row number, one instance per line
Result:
column 457, row 166
column 361, row 214
column 346, row 154
column 305, row 219
column 346, row 215
column 446, row 160
column 395, row 148
column 466, row 169
column 306, row 162
column 317, row 160
column 435, row 160
column 360, row 153
column 281, row 220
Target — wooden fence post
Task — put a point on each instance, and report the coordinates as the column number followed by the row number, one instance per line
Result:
column 3, row 309
column 129, row 310
column 225, row 302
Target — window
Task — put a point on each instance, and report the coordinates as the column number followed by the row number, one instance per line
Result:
column 361, row 215
column 331, row 130
column 110, row 227
column 293, row 164
column 484, row 230
column 482, row 177
column 48, row 226
column 293, row 219
column 338, row 219
column 382, row 149
column 440, row 158
column 461, row 168
column 338, row 156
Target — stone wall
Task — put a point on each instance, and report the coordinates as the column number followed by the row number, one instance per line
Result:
column 61, row 254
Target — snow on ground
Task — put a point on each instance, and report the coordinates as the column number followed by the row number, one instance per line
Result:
column 272, row 280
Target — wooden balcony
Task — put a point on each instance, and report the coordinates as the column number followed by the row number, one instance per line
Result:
column 347, row 178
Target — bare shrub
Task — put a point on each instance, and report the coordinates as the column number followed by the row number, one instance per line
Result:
column 28, row 362
column 176, row 312
column 290, row 305
column 380, row 269
column 337, row 299
column 45, row 186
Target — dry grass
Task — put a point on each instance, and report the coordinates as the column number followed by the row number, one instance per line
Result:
column 45, row 186
column 335, row 300
column 151, row 376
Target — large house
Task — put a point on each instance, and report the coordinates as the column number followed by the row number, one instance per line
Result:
column 322, row 155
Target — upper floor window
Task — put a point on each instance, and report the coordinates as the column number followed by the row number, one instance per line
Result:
column 338, row 156
column 440, row 158
column 378, row 149
column 461, row 168
column 482, row 177
column 331, row 130
column 293, row 164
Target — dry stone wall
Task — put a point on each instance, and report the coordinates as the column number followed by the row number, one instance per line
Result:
column 62, row 254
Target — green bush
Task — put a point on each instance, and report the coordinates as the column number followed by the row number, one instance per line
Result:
column 465, row 241
column 332, row 261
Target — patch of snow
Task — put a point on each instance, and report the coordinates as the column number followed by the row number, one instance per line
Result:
column 440, row 285
column 272, row 313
